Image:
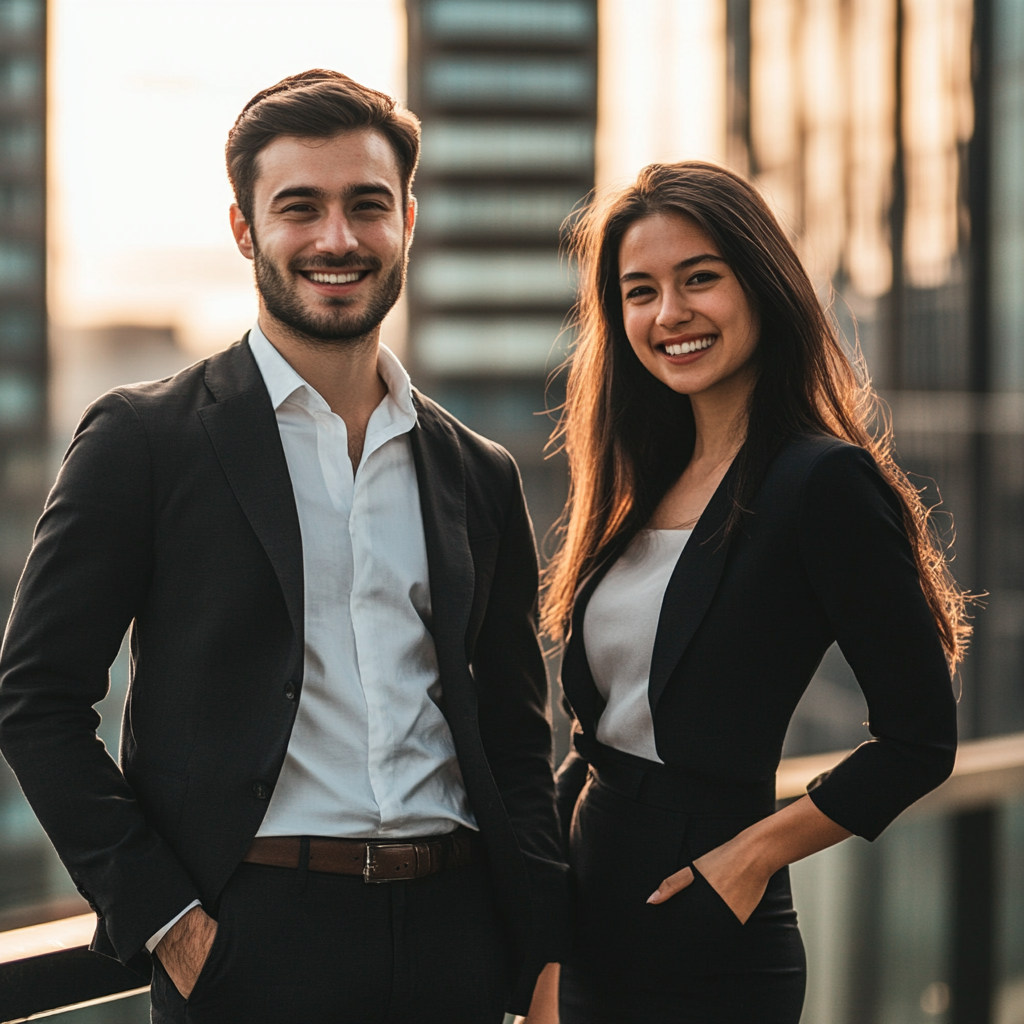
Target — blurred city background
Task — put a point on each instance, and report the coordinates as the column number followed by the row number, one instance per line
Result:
column 887, row 134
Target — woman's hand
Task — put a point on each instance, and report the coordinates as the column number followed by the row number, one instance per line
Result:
column 544, row 1004
column 739, row 870
column 733, row 870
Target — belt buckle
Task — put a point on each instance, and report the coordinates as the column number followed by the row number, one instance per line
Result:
column 368, row 866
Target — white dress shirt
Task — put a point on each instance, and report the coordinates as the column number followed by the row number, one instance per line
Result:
column 370, row 754
column 619, row 630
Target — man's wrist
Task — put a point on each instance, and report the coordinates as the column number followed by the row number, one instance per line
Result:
column 157, row 937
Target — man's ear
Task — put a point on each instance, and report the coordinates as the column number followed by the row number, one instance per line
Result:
column 241, row 230
column 411, row 208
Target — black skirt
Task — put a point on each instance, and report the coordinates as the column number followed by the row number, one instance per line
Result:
column 689, row 960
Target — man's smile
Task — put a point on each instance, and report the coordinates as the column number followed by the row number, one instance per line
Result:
column 321, row 277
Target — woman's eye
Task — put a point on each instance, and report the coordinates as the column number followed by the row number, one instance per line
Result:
column 639, row 291
column 703, row 277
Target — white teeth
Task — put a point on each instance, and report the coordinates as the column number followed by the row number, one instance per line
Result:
column 335, row 278
column 686, row 347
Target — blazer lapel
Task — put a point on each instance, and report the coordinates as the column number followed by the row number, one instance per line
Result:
column 441, row 477
column 691, row 588
column 577, row 677
column 243, row 430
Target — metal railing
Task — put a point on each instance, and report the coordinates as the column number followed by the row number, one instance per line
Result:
column 48, row 968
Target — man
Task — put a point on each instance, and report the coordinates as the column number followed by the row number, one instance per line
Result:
column 336, row 680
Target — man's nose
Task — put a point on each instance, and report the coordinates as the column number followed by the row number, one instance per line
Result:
column 336, row 235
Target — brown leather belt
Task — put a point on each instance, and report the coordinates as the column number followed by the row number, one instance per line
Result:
column 377, row 860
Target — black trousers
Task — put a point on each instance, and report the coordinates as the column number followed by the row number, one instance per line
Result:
column 312, row 948
column 689, row 960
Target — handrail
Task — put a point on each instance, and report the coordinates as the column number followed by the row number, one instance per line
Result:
column 985, row 770
column 40, row 939
column 47, row 968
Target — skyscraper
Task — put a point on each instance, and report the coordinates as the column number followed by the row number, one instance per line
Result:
column 507, row 95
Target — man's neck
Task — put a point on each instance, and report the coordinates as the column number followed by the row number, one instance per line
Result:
column 343, row 373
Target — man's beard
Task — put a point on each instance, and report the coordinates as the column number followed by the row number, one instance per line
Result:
column 331, row 325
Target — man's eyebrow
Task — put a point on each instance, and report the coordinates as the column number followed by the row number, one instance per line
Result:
column 364, row 188
column 704, row 257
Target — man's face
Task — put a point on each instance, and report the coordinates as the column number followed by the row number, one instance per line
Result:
column 329, row 236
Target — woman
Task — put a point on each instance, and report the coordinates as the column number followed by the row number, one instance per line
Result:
column 730, row 517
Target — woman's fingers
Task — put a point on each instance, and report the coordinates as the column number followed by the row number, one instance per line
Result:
column 673, row 884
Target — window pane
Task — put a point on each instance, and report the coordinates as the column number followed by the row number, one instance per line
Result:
column 499, row 210
column 449, row 345
column 21, row 143
column 20, row 17
column 20, row 331
column 19, row 264
column 515, row 146
column 474, row 278
column 510, row 82
column 20, row 398
column 20, row 78
column 525, row 21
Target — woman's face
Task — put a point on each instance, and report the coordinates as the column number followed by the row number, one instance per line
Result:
column 686, row 315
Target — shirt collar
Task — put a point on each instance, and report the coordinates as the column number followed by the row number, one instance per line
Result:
column 282, row 381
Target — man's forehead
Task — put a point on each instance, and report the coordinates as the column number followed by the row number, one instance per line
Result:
column 330, row 164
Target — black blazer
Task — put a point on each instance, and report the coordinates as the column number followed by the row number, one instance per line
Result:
column 822, row 556
column 174, row 513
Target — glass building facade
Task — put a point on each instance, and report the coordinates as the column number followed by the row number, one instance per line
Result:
column 507, row 96
column 26, row 863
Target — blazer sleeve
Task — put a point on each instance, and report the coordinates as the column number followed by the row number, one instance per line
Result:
column 86, row 576
column 861, row 568
column 516, row 730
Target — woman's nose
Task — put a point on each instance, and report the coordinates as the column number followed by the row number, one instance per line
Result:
column 673, row 311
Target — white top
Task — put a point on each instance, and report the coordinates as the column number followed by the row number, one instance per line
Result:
column 370, row 754
column 619, row 629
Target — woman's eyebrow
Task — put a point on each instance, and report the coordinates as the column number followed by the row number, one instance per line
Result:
column 704, row 257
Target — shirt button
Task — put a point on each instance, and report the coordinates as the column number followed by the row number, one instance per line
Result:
column 260, row 790
column 289, row 690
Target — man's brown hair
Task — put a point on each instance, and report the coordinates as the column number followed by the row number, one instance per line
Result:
column 316, row 104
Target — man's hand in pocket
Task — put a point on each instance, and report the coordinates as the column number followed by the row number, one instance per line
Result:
column 185, row 947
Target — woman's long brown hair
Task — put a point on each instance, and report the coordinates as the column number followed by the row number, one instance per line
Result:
column 628, row 437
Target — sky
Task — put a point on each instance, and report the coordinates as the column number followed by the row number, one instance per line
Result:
column 143, row 93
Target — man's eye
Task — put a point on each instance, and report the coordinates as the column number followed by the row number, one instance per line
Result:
column 298, row 208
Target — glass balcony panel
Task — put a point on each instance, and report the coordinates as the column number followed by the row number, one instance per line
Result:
column 455, row 346
column 485, row 278
column 525, row 21
column 508, row 211
column 514, row 147
column 916, row 919
column 1010, row 919
column 509, row 82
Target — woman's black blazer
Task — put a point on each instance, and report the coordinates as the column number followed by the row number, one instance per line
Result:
column 822, row 556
